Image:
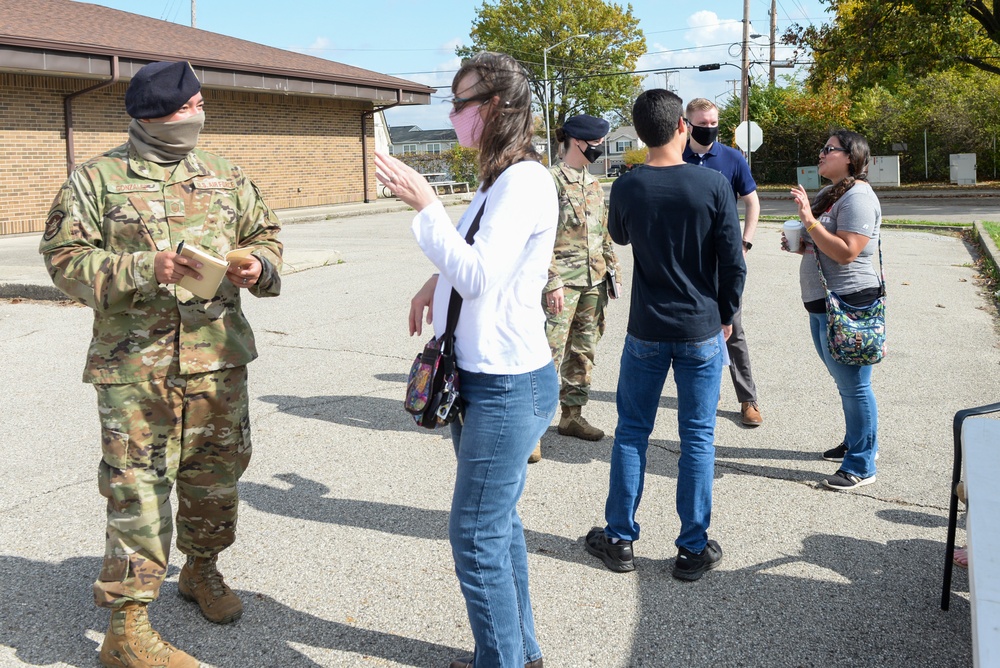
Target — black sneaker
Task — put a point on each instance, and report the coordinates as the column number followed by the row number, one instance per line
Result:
column 842, row 480
column 690, row 566
column 836, row 454
column 616, row 556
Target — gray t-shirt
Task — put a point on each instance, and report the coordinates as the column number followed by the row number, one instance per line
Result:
column 856, row 211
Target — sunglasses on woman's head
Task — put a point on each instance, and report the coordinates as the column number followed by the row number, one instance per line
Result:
column 828, row 149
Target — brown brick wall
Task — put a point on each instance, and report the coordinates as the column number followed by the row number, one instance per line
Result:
column 299, row 151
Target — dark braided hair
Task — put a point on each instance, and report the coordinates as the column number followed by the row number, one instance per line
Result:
column 858, row 155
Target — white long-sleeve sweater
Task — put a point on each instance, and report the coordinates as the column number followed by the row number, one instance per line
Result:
column 501, row 276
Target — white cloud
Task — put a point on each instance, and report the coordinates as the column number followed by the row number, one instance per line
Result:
column 708, row 28
column 318, row 48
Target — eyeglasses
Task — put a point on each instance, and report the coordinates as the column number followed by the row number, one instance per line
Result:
column 827, row 150
column 457, row 103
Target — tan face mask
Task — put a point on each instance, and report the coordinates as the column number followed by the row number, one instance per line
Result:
column 166, row 142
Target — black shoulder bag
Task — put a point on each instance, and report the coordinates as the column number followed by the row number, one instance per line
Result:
column 432, row 389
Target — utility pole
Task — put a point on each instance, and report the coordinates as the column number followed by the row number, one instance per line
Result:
column 194, row 12
column 774, row 34
column 666, row 80
column 745, row 68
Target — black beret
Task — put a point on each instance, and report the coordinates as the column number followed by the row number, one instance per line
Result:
column 160, row 89
column 586, row 127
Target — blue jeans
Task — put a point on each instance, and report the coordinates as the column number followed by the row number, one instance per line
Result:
column 698, row 375
column 856, row 395
column 504, row 418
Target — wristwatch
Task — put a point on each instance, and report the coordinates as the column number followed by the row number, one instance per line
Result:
column 747, row 245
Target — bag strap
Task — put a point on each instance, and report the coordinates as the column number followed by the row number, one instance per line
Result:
column 881, row 267
column 455, row 302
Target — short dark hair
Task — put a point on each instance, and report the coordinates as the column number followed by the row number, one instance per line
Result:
column 655, row 115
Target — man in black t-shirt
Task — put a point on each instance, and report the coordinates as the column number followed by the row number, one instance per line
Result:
column 687, row 281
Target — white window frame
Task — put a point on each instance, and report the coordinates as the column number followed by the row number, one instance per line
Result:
column 408, row 149
column 434, row 148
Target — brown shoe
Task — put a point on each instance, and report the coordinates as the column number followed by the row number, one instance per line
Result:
column 536, row 455
column 466, row 662
column 574, row 424
column 750, row 414
column 200, row 581
column 132, row 643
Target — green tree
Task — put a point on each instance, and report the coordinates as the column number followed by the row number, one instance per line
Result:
column 635, row 156
column 794, row 121
column 622, row 115
column 460, row 163
column 895, row 42
column 524, row 29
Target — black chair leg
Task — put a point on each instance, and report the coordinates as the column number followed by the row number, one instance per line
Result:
column 956, row 476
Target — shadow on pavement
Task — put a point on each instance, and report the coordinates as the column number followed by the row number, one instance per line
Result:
column 778, row 613
column 308, row 500
column 363, row 412
column 48, row 609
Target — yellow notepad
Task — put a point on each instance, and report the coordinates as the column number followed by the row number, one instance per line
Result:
column 213, row 268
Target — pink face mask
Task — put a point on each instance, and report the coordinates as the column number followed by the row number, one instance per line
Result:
column 468, row 125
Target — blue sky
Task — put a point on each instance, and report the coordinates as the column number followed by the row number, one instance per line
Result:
column 416, row 39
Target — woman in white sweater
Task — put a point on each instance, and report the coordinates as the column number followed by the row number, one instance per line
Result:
column 508, row 384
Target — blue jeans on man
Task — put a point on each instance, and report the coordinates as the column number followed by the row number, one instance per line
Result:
column 697, row 374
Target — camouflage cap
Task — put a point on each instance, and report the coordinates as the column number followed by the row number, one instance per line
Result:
column 159, row 89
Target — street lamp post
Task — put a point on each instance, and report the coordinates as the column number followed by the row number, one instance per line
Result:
column 545, row 67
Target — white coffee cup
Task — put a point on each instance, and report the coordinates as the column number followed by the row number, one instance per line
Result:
column 793, row 233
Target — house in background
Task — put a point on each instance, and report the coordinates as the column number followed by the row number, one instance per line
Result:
column 382, row 140
column 618, row 141
column 410, row 139
column 300, row 126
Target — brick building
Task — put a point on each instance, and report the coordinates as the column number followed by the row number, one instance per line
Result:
column 300, row 126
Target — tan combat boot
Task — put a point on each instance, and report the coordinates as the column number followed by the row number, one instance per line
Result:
column 201, row 582
column 574, row 424
column 132, row 643
column 536, row 454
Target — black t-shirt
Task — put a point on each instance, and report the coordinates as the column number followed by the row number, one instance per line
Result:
column 685, row 235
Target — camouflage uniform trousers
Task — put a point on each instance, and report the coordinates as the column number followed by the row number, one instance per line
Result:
column 194, row 430
column 573, row 334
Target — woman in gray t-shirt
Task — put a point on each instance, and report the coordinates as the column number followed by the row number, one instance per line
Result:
column 842, row 227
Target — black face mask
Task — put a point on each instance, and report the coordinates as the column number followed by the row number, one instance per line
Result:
column 704, row 136
column 592, row 153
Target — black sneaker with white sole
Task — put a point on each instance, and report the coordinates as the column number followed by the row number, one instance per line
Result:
column 842, row 480
column 690, row 566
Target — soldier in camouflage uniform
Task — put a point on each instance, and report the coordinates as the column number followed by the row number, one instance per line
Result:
column 577, row 291
column 169, row 367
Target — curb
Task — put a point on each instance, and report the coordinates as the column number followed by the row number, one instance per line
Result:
column 31, row 291
column 386, row 206
column 990, row 249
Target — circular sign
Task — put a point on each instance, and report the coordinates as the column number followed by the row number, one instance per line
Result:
column 749, row 136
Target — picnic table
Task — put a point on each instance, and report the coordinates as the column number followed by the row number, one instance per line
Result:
column 443, row 186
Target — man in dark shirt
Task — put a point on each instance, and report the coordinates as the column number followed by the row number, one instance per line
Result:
column 687, row 281
column 702, row 149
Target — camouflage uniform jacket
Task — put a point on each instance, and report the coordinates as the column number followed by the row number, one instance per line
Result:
column 583, row 251
column 99, row 245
